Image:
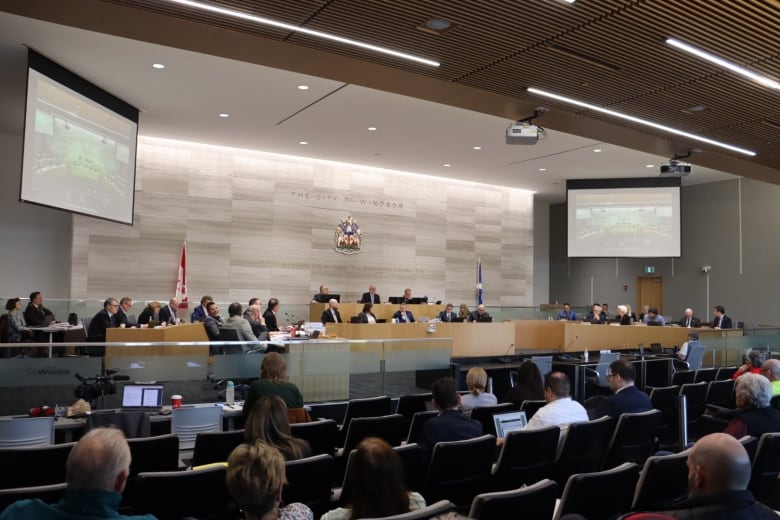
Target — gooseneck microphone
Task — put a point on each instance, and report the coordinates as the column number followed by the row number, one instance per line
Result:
column 504, row 358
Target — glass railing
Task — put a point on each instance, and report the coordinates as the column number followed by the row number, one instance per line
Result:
column 731, row 350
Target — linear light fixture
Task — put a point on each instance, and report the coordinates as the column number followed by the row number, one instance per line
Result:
column 758, row 78
column 641, row 121
column 294, row 28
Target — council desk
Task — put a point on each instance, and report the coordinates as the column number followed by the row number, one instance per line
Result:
column 380, row 310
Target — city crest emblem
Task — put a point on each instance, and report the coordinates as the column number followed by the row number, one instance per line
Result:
column 347, row 237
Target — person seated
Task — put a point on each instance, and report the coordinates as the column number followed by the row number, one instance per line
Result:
column 104, row 319
column 448, row 314
column 560, row 410
column 402, row 315
column 689, row 320
column 720, row 321
column 366, row 316
column 595, row 315
column 237, row 322
column 476, row 381
column 322, row 296
column 752, row 364
column 626, row 397
column 479, row 315
column 371, row 296
column 450, row 424
column 17, row 327
column 168, row 314
column 267, row 421
column 605, row 311
column 685, row 348
column 407, row 297
column 567, row 313
column 528, row 385
column 378, row 489
column 36, row 315
column 273, row 381
column 771, row 370
column 331, row 314
column 150, row 314
column 256, row 321
column 755, row 416
column 270, row 315
column 200, row 312
column 213, row 321
column 653, row 318
column 255, row 479
column 122, row 320
column 643, row 314
column 463, row 312
column 622, row 316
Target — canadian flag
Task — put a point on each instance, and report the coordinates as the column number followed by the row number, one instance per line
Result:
column 181, row 280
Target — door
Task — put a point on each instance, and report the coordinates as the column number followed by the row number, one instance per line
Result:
column 650, row 291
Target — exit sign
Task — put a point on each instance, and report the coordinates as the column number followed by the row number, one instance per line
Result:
column 649, row 269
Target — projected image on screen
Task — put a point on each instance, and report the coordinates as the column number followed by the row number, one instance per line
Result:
column 78, row 155
column 641, row 222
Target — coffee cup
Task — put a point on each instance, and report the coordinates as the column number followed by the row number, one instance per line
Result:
column 176, row 401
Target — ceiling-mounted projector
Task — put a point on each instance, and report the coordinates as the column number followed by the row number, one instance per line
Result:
column 674, row 169
column 522, row 133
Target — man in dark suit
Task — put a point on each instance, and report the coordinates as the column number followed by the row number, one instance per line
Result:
column 448, row 314
column 200, row 312
column 213, row 321
column 371, row 296
column 479, row 315
column 322, row 296
column 331, row 314
column 256, row 321
column 627, row 398
column 689, row 320
column 35, row 314
column 270, row 315
column 168, row 313
column 121, row 314
column 104, row 319
column 450, row 424
column 721, row 321
column 402, row 315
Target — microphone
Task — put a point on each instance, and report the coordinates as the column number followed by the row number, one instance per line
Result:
column 504, row 358
column 121, row 377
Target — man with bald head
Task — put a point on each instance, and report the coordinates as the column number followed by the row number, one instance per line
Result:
column 771, row 370
column 689, row 320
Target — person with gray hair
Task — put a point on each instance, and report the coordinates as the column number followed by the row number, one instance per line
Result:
column 623, row 317
column 96, row 473
column 104, row 319
column 754, row 417
column 771, row 370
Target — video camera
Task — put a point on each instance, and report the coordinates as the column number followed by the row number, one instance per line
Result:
column 93, row 387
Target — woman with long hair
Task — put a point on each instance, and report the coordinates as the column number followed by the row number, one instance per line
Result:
column 267, row 422
column 273, row 381
column 529, row 385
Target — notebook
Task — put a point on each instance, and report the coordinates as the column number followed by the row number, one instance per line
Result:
column 509, row 422
column 142, row 397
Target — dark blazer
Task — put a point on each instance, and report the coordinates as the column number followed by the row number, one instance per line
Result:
column 475, row 317
column 321, row 298
column 448, row 316
column 212, row 326
column 366, row 298
column 695, row 322
column 270, row 320
column 197, row 315
column 725, row 322
column 36, row 316
column 168, row 315
column 121, row 318
column 259, row 330
column 327, row 316
column 449, row 426
column 629, row 400
column 624, row 320
column 409, row 316
column 601, row 318
column 364, row 316
column 145, row 316
column 97, row 327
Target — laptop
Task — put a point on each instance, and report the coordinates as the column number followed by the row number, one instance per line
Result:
column 145, row 397
column 509, row 422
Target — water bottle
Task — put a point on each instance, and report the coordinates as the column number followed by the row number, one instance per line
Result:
column 230, row 393
column 585, row 355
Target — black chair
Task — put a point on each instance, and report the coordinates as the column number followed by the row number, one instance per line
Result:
column 764, row 483
column 215, row 446
column 158, row 453
column 410, row 404
column 662, row 482
column 725, row 373
column 51, row 494
column 775, row 402
column 751, row 445
column 33, row 466
column 721, row 393
column 134, row 424
column 583, row 448
column 534, row 502
column 705, row 374
column 634, row 439
column 459, row 470
column 229, row 334
column 416, row 427
column 411, row 460
column 531, row 407
column 369, row 407
column 600, row 495
column 525, row 457
column 389, row 427
column 199, row 493
column 309, row 481
column 439, row 508
column 664, row 398
column 683, row 377
column 322, row 436
column 484, row 415
column 696, row 394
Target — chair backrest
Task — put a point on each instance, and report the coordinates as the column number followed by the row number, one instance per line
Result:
column 199, row 493
column 543, row 363
column 603, row 494
column 725, row 373
column 484, row 414
column 682, row 377
column 309, row 481
column 85, row 323
column 695, row 356
column 583, row 448
column 4, row 324
column 536, row 500
column 603, row 367
column 634, row 439
column 215, row 446
column 459, row 470
column 26, row 431
column 389, row 427
column 187, row 423
column 531, row 407
column 431, row 511
column 369, row 407
column 764, row 483
column 526, row 456
column 721, row 393
column 410, row 404
column 33, row 466
column 696, row 394
column 134, row 424
column 411, row 460
column 662, row 482
column 158, row 453
column 705, row 374
column 322, row 436
column 51, row 494
column 418, row 421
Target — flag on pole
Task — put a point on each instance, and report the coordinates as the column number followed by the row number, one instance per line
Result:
column 181, row 280
column 479, row 282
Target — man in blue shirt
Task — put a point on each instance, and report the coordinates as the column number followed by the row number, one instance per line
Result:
column 567, row 313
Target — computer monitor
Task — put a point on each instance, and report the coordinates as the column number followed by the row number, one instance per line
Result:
column 329, row 297
column 396, row 299
column 509, row 422
column 418, row 301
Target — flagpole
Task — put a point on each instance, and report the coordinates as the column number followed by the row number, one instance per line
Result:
column 479, row 282
column 181, row 278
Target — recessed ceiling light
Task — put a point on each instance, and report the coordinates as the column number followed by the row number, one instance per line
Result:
column 303, row 87
column 733, row 67
column 649, row 165
column 542, row 169
column 437, row 26
column 597, row 150
column 158, row 66
column 478, row 148
column 298, row 29
column 640, row 121
column 371, row 128
column 303, row 142
column 223, row 114
column 446, row 165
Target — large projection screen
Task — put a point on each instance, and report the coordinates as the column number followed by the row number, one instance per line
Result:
column 635, row 220
column 79, row 145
